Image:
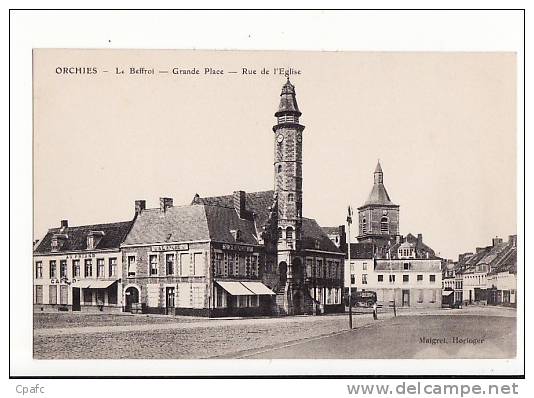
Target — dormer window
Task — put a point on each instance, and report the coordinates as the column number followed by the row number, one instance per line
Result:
column 57, row 242
column 93, row 239
column 236, row 234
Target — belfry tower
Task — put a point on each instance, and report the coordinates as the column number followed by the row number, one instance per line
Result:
column 288, row 189
column 378, row 217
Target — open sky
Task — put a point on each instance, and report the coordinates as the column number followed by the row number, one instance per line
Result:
column 442, row 124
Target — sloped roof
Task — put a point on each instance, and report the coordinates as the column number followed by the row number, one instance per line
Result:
column 176, row 224
column 256, row 202
column 114, row 234
column 379, row 196
column 288, row 101
column 362, row 250
column 331, row 230
column 312, row 233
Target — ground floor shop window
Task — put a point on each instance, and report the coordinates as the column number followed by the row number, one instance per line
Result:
column 87, row 297
column 64, row 294
column 198, row 297
column 112, row 296
column 52, row 294
column 247, row 301
column 100, row 296
column 38, row 294
column 420, row 296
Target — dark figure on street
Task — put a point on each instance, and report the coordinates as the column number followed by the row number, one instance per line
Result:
column 375, row 311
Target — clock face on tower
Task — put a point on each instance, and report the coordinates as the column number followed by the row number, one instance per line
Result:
column 280, row 138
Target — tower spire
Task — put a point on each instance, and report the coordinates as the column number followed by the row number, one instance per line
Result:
column 379, row 175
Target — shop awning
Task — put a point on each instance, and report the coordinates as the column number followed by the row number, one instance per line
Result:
column 235, row 288
column 101, row 284
column 93, row 284
column 81, row 284
column 258, row 288
column 447, row 293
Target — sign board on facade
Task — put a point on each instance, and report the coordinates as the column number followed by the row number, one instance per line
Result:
column 170, row 248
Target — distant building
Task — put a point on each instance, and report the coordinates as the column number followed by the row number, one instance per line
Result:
column 489, row 276
column 337, row 235
column 399, row 269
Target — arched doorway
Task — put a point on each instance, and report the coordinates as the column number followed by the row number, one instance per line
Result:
column 131, row 296
column 282, row 269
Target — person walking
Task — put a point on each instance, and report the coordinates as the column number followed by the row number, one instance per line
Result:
column 375, row 311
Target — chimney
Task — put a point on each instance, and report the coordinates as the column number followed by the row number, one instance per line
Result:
column 419, row 239
column 495, row 241
column 140, row 205
column 239, row 203
column 164, row 204
column 64, row 224
column 512, row 240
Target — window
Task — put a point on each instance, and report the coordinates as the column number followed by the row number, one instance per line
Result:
column 88, row 296
column 380, row 278
column 364, row 279
column 364, row 266
column 289, row 233
column 420, row 296
column 364, row 225
column 392, row 279
column 100, row 270
column 53, row 271
column 279, row 168
column 132, row 266
column 169, row 261
column 279, row 233
column 38, row 269
column 38, row 294
column 432, row 278
column 88, row 267
column 112, row 267
column 100, row 296
column 253, row 301
column 185, row 264
column 419, row 278
column 242, row 301
column 153, row 262
column 290, row 197
column 406, row 278
column 407, row 266
column 384, row 225
column 75, row 268
column 52, row 294
column 219, row 302
column 352, row 279
column 199, row 266
column 63, row 268
column 63, row 295
column 433, row 300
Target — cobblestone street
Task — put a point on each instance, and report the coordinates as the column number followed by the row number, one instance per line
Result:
column 75, row 336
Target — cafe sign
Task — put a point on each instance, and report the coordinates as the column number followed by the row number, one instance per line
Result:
column 239, row 248
column 170, row 248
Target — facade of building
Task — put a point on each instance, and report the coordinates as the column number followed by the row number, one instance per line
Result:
column 79, row 268
column 399, row 269
column 489, row 276
column 238, row 254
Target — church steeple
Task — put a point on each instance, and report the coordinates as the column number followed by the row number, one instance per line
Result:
column 378, row 216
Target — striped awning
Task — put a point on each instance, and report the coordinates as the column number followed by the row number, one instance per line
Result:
column 245, row 288
column 258, row 288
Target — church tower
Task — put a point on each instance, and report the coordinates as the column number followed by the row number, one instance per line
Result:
column 288, row 168
column 378, row 217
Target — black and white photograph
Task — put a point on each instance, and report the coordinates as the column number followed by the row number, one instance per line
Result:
column 268, row 210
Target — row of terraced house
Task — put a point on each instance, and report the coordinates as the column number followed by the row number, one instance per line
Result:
column 238, row 254
column 486, row 276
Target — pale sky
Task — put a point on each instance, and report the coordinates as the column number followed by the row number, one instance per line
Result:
column 442, row 124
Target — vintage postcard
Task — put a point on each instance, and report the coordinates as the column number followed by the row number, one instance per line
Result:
column 275, row 205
